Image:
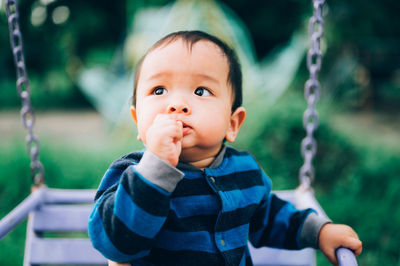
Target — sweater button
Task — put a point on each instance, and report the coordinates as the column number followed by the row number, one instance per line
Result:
column 212, row 179
column 222, row 242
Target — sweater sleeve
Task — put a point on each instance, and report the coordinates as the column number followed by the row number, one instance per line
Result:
column 131, row 206
column 277, row 223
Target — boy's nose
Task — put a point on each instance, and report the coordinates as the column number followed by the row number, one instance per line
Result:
column 179, row 108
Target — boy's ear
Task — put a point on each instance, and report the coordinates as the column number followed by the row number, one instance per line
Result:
column 133, row 113
column 237, row 119
column 134, row 116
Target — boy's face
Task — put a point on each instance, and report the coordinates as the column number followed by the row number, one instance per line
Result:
column 188, row 86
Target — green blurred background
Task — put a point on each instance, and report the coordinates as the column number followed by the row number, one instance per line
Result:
column 80, row 57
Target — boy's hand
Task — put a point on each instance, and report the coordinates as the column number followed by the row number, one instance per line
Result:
column 164, row 138
column 333, row 236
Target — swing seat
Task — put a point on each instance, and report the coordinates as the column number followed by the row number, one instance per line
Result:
column 57, row 232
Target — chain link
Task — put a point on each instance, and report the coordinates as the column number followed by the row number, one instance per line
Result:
column 24, row 92
column 311, row 94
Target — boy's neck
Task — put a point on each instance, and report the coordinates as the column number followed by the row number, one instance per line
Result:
column 203, row 163
column 207, row 161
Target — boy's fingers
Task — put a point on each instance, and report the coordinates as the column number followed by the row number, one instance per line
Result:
column 353, row 242
column 180, row 125
column 179, row 130
column 358, row 251
column 164, row 124
column 356, row 246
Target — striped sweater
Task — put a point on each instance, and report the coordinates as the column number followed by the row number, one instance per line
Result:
column 149, row 213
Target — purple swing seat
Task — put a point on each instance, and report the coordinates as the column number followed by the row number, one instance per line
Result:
column 57, row 230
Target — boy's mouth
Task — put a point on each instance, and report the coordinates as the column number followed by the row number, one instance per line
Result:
column 186, row 128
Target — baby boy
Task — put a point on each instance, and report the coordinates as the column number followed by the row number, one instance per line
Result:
column 188, row 199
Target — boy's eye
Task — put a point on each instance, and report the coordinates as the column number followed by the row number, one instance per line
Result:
column 159, row 91
column 203, row 92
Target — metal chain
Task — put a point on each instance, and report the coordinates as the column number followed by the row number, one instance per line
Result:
column 311, row 94
column 24, row 91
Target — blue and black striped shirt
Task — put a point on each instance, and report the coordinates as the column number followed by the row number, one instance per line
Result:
column 149, row 213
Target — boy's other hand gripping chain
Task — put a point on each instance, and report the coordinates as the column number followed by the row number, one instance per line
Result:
column 333, row 236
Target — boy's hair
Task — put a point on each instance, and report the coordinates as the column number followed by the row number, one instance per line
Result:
column 191, row 38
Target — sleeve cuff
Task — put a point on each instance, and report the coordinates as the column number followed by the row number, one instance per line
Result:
column 311, row 228
column 157, row 171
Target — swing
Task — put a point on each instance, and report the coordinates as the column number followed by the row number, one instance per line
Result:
column 57, row 224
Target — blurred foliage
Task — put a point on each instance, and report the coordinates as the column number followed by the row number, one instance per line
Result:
column 361, row 61
column 356, row 181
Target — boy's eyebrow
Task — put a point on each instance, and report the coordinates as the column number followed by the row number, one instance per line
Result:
column 157, row 76
column 200, row 75
column 208, row 77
